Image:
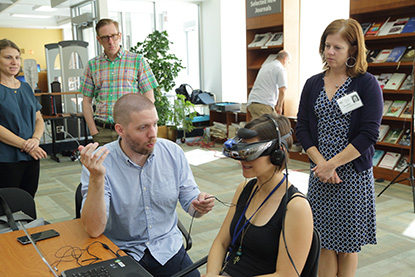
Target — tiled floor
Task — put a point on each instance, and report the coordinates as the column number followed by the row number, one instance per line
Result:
column 394, row 255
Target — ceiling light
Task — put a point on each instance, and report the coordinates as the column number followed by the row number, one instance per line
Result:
column 44, row 9
column 30, row 15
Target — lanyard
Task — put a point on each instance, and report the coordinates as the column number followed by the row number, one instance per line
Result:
column 235, row 233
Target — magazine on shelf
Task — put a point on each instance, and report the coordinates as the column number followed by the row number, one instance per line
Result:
column 406, row 138
column 408, row 84
column 407, row 111
column 383, row 79
column 393, row 135
column 374, row 29
column 389, row 160
column 402, row 164
column 383, row 55
column 396, row 54
column 384, row 30
column 276, row 39
column 383, row 130
column 366, row 26
column 409, row 55
column 372, row 55
column 377, row 157
column 398, row 26
column 395, row 81
column 260, row 40
column 396, row 108
column 386, row 105
column 410, row 26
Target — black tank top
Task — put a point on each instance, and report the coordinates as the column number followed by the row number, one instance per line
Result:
column 260, row 244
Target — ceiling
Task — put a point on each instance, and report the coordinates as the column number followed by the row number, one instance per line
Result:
column 26, row 8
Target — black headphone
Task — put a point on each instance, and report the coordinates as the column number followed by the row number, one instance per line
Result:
column 278, row 155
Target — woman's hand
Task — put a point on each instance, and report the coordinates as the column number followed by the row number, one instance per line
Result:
column 326, row 173
column 30, row 144
column 38, row 153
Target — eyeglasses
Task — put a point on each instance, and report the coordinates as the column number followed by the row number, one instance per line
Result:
column 106, row 39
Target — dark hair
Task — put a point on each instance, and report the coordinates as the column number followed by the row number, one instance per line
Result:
column 351, row 31
column 5, row 43
column 129, row 103
column 106, row 21
column 266, row 130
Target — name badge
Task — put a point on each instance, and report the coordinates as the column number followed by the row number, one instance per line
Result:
column 350, row 102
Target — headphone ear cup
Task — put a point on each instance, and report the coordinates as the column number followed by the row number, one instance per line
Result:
column 277, row 157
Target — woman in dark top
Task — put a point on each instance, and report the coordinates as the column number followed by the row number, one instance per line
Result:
column 21, row 125
column 250, row 241
column 338, row 135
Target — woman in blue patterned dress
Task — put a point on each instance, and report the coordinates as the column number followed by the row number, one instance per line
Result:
column 338, row 135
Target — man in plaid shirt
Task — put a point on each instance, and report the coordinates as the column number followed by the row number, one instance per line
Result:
column 109, row 76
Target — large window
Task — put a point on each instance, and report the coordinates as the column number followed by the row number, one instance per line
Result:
column 181, row 21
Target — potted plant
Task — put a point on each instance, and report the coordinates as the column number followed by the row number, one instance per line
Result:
column 166, row 67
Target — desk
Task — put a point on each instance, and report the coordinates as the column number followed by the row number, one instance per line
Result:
column 23, row 260
column 52, row 119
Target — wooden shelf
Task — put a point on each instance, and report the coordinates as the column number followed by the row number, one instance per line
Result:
column 380, row 10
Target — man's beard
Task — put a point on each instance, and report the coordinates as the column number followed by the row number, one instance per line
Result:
column 139, row 148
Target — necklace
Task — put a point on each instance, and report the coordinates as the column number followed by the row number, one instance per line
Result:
column 14, row 85
column 248, row 221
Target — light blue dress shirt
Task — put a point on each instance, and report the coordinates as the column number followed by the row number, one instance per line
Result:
column 141, row 201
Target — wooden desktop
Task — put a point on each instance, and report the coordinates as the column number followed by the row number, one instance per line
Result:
column 23, row 260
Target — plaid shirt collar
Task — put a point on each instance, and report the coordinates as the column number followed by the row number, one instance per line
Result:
column 120, row 53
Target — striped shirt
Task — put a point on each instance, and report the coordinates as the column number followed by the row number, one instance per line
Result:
column 106, row 81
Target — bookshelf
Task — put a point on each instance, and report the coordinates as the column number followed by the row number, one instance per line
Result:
column 381, row 10
column 257, row 55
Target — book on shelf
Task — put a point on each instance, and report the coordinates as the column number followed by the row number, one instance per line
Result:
column 372, row 55
column 408, row 84
column 409, row 55
column 377, row 157
column 260, row 40
column 374, row 29
column 386, row 105
column 383, row 130
column 389, row 160
column 396, row 54
column 402, row 164
column 395, row 81
column 396, row 108
column 276, row 39
column 407, row 111
column 383, row 79
column 406, row 138
column 398, row 26
column 393, row 135
column 366, row 26
column 410, row 26
column 270, row 58
column 383, row 55
column 384, row 30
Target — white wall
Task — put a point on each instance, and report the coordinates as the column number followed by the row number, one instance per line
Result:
column 224, row 49
column 314, row 17
column 211, row 48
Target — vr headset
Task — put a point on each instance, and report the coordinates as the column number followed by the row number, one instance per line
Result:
column 236, row 149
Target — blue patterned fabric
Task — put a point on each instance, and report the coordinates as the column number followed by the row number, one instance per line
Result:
column 344, row 213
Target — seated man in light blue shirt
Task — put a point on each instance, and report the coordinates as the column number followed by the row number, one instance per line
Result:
column 131, row 187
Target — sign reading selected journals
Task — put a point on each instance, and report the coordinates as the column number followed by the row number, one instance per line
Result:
column 262, row 7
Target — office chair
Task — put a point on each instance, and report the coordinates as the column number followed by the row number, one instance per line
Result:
column 18, row 200
column 313, row 258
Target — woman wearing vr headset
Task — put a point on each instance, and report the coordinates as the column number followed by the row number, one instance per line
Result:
column 339, row 136
column 251, row 241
